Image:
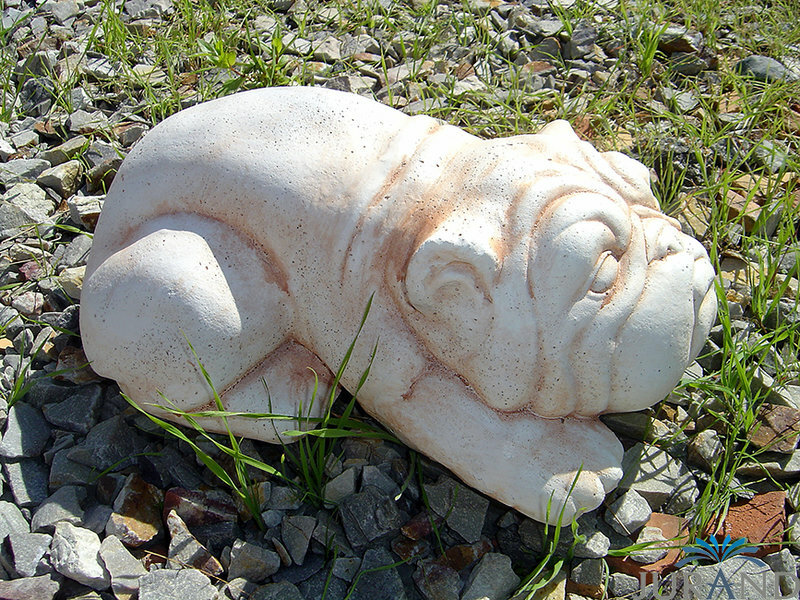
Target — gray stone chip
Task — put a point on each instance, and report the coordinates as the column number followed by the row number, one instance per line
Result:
column 22, row 170
column 25, row 554
column 63, row 505
column 123, row 568
column 596, row 544
column 185, row 551
column 340, row 486
column 656, row 546
column 44, row 390
column 764, row 68
column 64, row 471
column 346, row 567
column 11, row 520
column 75, row 553
column 492, row 577
column 76, row 252
column 84, row 122
column 320, row 586
column 28, row 480
column 63, row 178
column 372, row 475
column 26, row 432
column 368, row 515
column 463, row 509
column 383, row 584
column 252, row 562
column 628, row 513
column 78, row 412
column 168, row 584
column 9, row 317
column 63, row 10
column 283, row 590
column 44, row 587
column 621, row 585
column 148, row 9
column 654, row 474
column 66, row 151
column 296, row 534
column 240, row 589
column 588, row 577
column 23, row 205
column 111, row 443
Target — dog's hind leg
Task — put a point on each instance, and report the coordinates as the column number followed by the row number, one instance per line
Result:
column 189, row 291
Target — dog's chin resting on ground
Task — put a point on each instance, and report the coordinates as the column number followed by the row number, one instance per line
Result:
column 521, row 286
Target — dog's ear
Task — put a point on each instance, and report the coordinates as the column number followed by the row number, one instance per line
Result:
column 560, row 129
column 631, row 179
column 450, row 276
column 627, row 177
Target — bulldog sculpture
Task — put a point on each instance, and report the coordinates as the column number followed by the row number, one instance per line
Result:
column 522, row 286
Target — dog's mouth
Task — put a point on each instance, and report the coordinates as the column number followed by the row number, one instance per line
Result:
column 665, row 240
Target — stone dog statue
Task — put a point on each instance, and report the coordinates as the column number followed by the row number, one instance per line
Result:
column 522, row 286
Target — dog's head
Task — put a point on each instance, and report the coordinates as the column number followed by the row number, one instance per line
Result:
column 555, row 285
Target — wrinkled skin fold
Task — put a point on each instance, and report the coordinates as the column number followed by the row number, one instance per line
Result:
column 522, row 286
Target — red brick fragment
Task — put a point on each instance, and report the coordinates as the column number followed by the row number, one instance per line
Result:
column 675, row 529
column 761, row 520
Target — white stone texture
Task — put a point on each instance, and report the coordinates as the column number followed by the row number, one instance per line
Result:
column 22, row 206
column 124, row 569
column 75, row 553
column 521, row 285
column 655, row 546
column 64, row 178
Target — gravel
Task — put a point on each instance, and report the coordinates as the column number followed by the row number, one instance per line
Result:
column 75, row 553
column 91, row 488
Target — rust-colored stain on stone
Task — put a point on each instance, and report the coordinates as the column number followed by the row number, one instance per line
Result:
column 675, row 529
column 463, row 555
column 407, row 549
column 136, row 519
column 778, row 428
column 761, row 520
column 73, row 366
column 420, row 526
column 199, row 507
column 154, row 555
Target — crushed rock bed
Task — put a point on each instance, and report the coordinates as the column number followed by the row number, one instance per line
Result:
column 97, row 502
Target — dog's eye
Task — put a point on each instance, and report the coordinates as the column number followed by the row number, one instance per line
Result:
column 606, row 273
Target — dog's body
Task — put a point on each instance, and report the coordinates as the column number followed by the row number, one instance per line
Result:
column 522, row 285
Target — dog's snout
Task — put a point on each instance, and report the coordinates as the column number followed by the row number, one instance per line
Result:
column 703, row 275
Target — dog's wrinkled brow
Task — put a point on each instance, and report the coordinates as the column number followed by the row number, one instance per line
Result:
column 645, row 212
